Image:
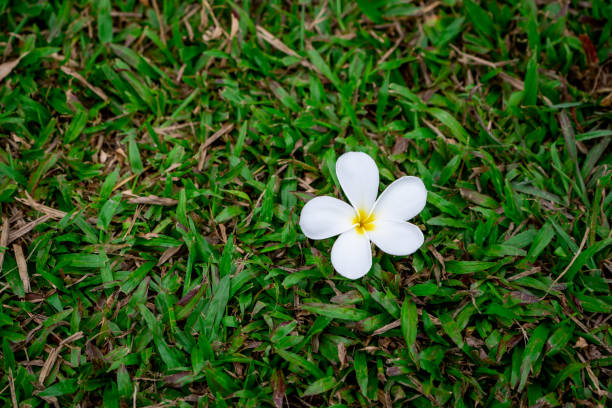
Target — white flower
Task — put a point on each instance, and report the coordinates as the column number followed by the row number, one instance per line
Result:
column 381, row 221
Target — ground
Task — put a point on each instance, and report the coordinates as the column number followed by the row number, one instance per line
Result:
column 155, row 156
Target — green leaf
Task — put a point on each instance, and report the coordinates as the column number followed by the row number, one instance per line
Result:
column 479, row 198
column 228, row 213
column 85, row 260
column 480, row 18
column 320, row 386
column 124, row 382
column 501, row 250
column 462, row 267
column 532, row 353
column 336, row 312
column 451, row 123
column 371, row 8
column 424, row 289
column 450, row 32
column 41, row 170
column 134, row 157
column 105, row 22
column 109, row 184
column 584, row 256
column 361, row 372
column 219, row 381
column 383, row 98
column 409, row 318
column 76, row 126
column 442, row 204
column 61, row 388
column 200, row 354
column 559, row 339
column 452, row 329
column 267, row 205
column 215, row 309
column 225, row 265
column 107, row 212
column 136, row 277
column 594, row 134
column 8, row 360
column 540, row 242
column 300, row 361
column 322, row 66
column 530, row 94
column 449, row 170
column 181, row 208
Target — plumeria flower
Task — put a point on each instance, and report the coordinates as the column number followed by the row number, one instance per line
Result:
column 367, row 219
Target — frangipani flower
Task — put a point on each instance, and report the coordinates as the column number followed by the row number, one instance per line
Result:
column 367, row 219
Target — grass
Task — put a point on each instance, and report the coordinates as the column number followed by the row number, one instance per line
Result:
column 155, row 155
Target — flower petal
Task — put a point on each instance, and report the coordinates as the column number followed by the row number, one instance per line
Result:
column 396, row 237
column 351, row 254
column 324, row 217
column 402, row 200
column 358, row 176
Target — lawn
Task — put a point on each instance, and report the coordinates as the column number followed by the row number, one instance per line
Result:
column 155, row 156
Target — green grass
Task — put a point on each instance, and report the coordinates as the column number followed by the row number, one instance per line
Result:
column 155, row 156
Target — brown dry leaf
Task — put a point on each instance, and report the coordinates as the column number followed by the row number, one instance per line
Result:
column 279, row 387
column 212, row 33
column 342, row 354
column 169, row 129
column 473, row 341
column 234, row 28
column 384, row 396
column 535, row 269
column 7, row 67
column 44, row 372
column 168, row 253
column 185, row 299
column 589, row 49
column 12, row 387
column 34, row 298
column 94, row 355
column 439, row 133
column 607, row 101
column 150, row 199
column 400, row 146
column 149, row 235
column 51, row 212
column 127, row 180
column 162, row 28
column 175, row 380
column 275, row 42
column 517, row 83
column 49, row 364
column 4, row 236
column 279, row 45
column 225, row 129
column 22, row 266
column 347, row 298
column 69, row 71
column 524, row 297
column 76, row 336
column 202, row 151
column 581, row 343
column 14, row 235
column 394, row 371
column 388, row 327
column 439, row 257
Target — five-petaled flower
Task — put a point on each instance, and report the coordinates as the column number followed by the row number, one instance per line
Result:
column 381, row 221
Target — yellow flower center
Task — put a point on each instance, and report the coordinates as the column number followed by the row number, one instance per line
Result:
column 363, row 222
